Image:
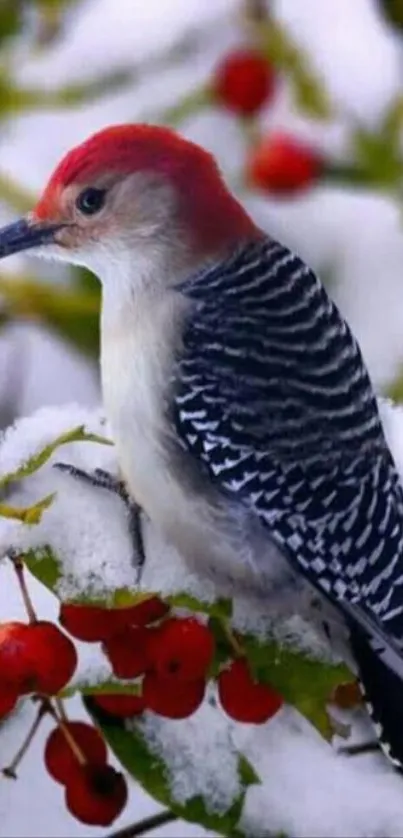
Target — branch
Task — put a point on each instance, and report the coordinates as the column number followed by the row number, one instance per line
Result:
column 146, row 825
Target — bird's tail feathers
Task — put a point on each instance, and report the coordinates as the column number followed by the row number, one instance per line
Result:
column 382, row 688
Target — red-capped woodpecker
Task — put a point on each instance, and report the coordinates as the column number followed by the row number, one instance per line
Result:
column 244, row 419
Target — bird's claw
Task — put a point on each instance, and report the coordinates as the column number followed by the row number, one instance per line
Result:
column 102, row 479
column 99, row 478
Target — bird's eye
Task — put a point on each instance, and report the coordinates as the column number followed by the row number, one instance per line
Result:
column 90, row 200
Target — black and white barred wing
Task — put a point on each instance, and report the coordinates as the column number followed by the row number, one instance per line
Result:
column 273, row 399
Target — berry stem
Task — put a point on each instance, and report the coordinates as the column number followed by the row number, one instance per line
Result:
column 145, row 826
column 256, row 11
column 236, row 647
column 10, row 770
column 61, row 710
column 63, row 725
column 18, row 565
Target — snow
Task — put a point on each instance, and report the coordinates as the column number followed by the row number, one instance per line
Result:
column 305, row 783
column 187, row 748
column 308, row 789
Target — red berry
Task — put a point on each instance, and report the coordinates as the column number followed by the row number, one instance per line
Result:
column 14, row 664
column 120, row 705
column 52, row 658
column 60, row 759
column 244, row 699
column 96, row 795
column 87, row 622
column 8, row 699
column 283, row 165
column 244, row 81
column 126, row 652
column 172, row 699
column 143, row 613
column 181, row 648
column 94, row 624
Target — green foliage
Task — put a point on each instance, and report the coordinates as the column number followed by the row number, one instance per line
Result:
column 304, row 682
column 44, row 565
column 27, row 515
column 78, row 434
column 392, row 11
column 131, row 748
column 309, row 92
column 10, row 18
column 72, row 311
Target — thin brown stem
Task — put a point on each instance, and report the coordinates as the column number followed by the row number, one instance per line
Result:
column 61, row 710
column 145, row 826
column 10, row 770
column 63, row 725
column 232, row 640
column 19, row 570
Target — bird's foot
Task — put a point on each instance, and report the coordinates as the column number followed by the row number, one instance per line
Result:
column 362, row 748
column 101, row 479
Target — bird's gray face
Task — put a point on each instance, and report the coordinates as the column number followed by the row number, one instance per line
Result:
column 108, row 222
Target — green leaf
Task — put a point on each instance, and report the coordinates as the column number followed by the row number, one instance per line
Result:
column 304, row 682
column 221, row 608
column 309, row 91
column 247, row 773
column 72, row 312
column 35, row 462
column 377, row 157
column 109, row 687
column 29, row 514
column 130, row 747
column 44, row 565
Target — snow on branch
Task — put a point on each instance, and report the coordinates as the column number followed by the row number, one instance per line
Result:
column 283, row 776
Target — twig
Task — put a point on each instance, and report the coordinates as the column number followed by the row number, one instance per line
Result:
column 10, row 770
column 19, row 570
column 356, row 750
column 63, row 725
column 146, row 825
column 61, row 710
column 232, row 639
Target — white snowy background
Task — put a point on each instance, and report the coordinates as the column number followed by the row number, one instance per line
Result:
column 358, row 234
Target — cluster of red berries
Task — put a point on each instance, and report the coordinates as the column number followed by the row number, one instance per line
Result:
column 244, row 82
column 174, row 658
column 76, row 756
column 35, row 658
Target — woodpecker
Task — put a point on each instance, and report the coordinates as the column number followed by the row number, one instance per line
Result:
column 245, row 423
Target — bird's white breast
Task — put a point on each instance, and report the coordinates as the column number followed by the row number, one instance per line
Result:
column 133, row 371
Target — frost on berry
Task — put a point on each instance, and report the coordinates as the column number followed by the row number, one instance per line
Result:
column 244, row 81
column 126, row 652
column 96, row 795
column 181, row 648
column 242, row 698
column 120, row 705
column 173, row 699
column 61, row 759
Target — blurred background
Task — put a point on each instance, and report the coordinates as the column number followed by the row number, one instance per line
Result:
column 301, row 101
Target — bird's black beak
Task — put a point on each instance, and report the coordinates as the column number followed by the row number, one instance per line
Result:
column 25, row 234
